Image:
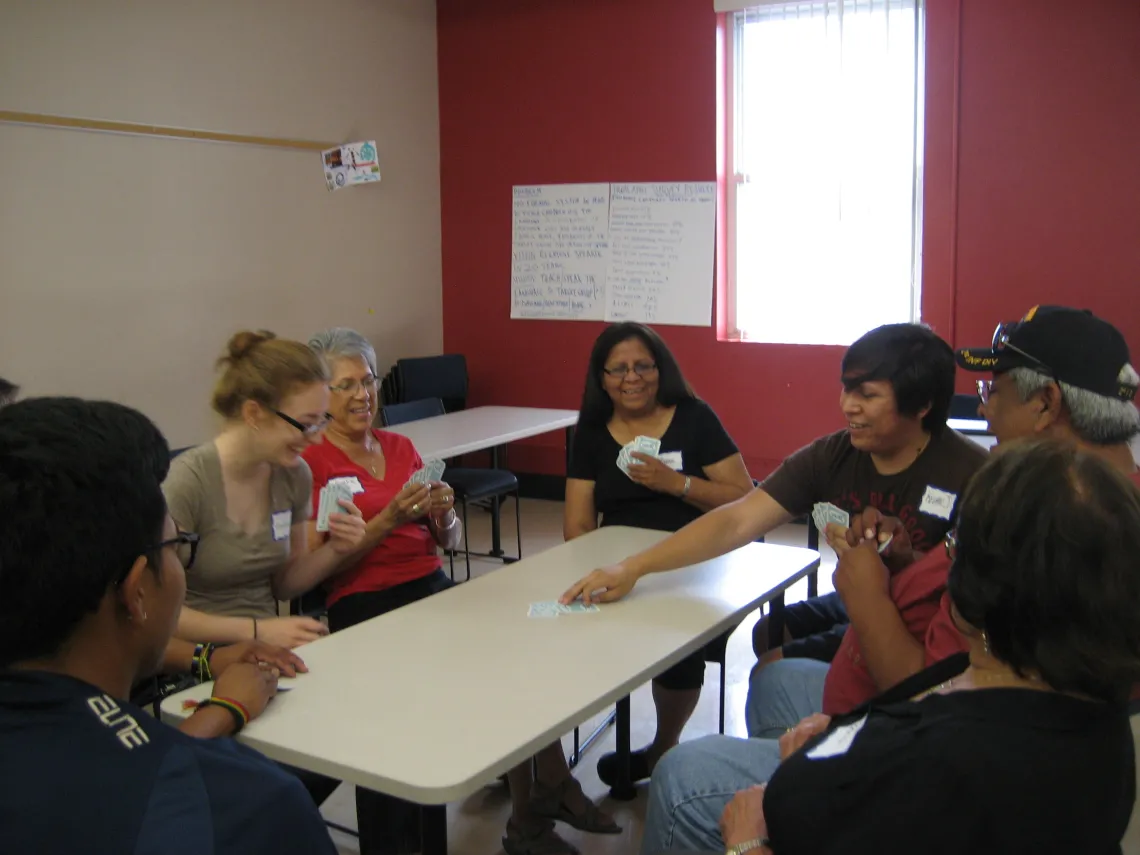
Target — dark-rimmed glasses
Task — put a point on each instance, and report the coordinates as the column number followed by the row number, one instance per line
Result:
column 183, row 538
column 641, row 369
column 307, row 430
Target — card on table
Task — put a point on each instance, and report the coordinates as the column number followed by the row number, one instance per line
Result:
column 553, row 608
column 545, row 609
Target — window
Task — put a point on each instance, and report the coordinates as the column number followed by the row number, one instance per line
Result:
column 825, row 170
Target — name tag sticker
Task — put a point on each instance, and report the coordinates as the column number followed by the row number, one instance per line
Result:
column 349, row 481
column 672, row 459
column 838, row 741
column 281, row 522
column 937, row 503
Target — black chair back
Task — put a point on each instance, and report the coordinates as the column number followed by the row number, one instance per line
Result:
column 411, row 411
column 443, row 377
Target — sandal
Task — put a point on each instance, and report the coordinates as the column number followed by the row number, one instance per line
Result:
column 537, row 838
column 550, row 802
column 638, row 767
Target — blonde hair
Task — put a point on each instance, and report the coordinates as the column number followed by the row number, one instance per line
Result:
column 258, row 366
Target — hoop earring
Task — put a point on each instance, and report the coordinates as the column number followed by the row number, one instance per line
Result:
column 986, row 643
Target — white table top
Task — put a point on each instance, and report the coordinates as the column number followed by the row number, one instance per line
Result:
column 432, row 701
column 969, row 425
column 465, row 431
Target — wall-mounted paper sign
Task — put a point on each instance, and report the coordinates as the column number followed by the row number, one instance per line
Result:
column 352, row 163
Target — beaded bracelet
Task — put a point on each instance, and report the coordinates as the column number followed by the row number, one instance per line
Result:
column 200, row 664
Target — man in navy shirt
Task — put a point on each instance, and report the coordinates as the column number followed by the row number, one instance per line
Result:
column 90, row 589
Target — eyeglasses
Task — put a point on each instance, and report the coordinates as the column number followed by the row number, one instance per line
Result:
column 351, row 387
column 1001, row 342
column 307, row 430
column 985, row 387
column 183, row 538
column 951, row 543
column 641, row 369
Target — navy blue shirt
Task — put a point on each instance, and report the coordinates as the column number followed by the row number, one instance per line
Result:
column 83, row 772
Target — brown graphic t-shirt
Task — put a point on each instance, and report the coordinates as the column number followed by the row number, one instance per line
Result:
column 924, row 495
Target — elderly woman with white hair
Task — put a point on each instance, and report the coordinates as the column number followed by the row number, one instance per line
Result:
column 397, row 562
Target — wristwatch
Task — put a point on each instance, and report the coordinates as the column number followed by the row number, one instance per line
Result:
column 748, row 846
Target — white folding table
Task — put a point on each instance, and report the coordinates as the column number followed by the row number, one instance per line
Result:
column 481, row 428
column 377, row 708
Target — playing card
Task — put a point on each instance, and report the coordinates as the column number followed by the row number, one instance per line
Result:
column 434, row 470
column 883, row 546
column 545, row 609
column 331, row 493
column 818, row 516
column 647, row 445
column 323, row 510
column 624, row 457
column 577, row 608
column 837, row 515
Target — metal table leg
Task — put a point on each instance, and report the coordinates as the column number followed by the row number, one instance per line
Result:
column 623, row 790
column 435, row 829
column 496, row 529
column 776, row 622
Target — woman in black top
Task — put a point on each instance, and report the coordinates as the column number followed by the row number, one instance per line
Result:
column 634, row 388
column 1023, row 745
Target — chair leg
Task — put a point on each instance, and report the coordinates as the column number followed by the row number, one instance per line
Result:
column 451, row 563
column 723, row 680
column 518, row 521
column 466, row 543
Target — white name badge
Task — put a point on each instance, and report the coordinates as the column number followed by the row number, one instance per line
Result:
column 349, row 481
column 838, row 741
column 281, row 522
column 672, row 459
column 937, row 503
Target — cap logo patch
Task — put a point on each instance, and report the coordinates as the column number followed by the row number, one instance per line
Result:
column 979, row 361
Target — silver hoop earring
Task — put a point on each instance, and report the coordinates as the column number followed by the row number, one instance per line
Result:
column 986, row 643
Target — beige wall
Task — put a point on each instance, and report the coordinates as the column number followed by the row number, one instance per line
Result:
column 126, row 261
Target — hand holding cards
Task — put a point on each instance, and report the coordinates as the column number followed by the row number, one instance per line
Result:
column 330, row 497
column 825, row 512
column 432, row 470
column 643, row 445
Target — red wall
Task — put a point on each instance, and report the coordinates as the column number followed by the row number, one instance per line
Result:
column 1032, row 182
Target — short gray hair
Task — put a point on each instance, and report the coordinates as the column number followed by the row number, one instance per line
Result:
column 343, row 343
column 1096, row 419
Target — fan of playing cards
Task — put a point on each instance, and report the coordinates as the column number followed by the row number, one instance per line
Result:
column 643, row 445
column 432, row 471
column 825, row 512
column 330, row 497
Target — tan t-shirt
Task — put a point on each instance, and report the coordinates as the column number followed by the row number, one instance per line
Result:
column 233, row 570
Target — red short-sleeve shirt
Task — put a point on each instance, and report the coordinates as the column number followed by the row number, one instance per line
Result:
column 407, row 553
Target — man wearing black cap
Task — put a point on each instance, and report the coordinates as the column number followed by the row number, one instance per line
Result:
column 1058, row 369
column 1058, row 372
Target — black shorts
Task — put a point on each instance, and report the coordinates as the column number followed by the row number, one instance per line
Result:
column 689, row 673
column 817, row 627
column 357, row 608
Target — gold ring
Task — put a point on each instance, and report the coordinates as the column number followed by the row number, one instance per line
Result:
column 415, row 508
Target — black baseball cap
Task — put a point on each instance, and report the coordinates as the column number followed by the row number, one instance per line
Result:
column 1072, row 346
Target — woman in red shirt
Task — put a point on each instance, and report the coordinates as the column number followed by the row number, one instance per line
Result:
column 398, row 563
column 398, row 560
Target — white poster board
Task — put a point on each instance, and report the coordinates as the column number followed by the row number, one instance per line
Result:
column 559, row 251
column 662, row 253
column 614, row 252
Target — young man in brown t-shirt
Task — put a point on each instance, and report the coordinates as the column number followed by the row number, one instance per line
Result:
column 895, row 452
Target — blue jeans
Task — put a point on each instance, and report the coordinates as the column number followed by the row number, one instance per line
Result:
column 692, row 784
column 782, row 694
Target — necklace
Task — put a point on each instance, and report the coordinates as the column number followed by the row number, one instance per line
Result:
column 981, row 678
